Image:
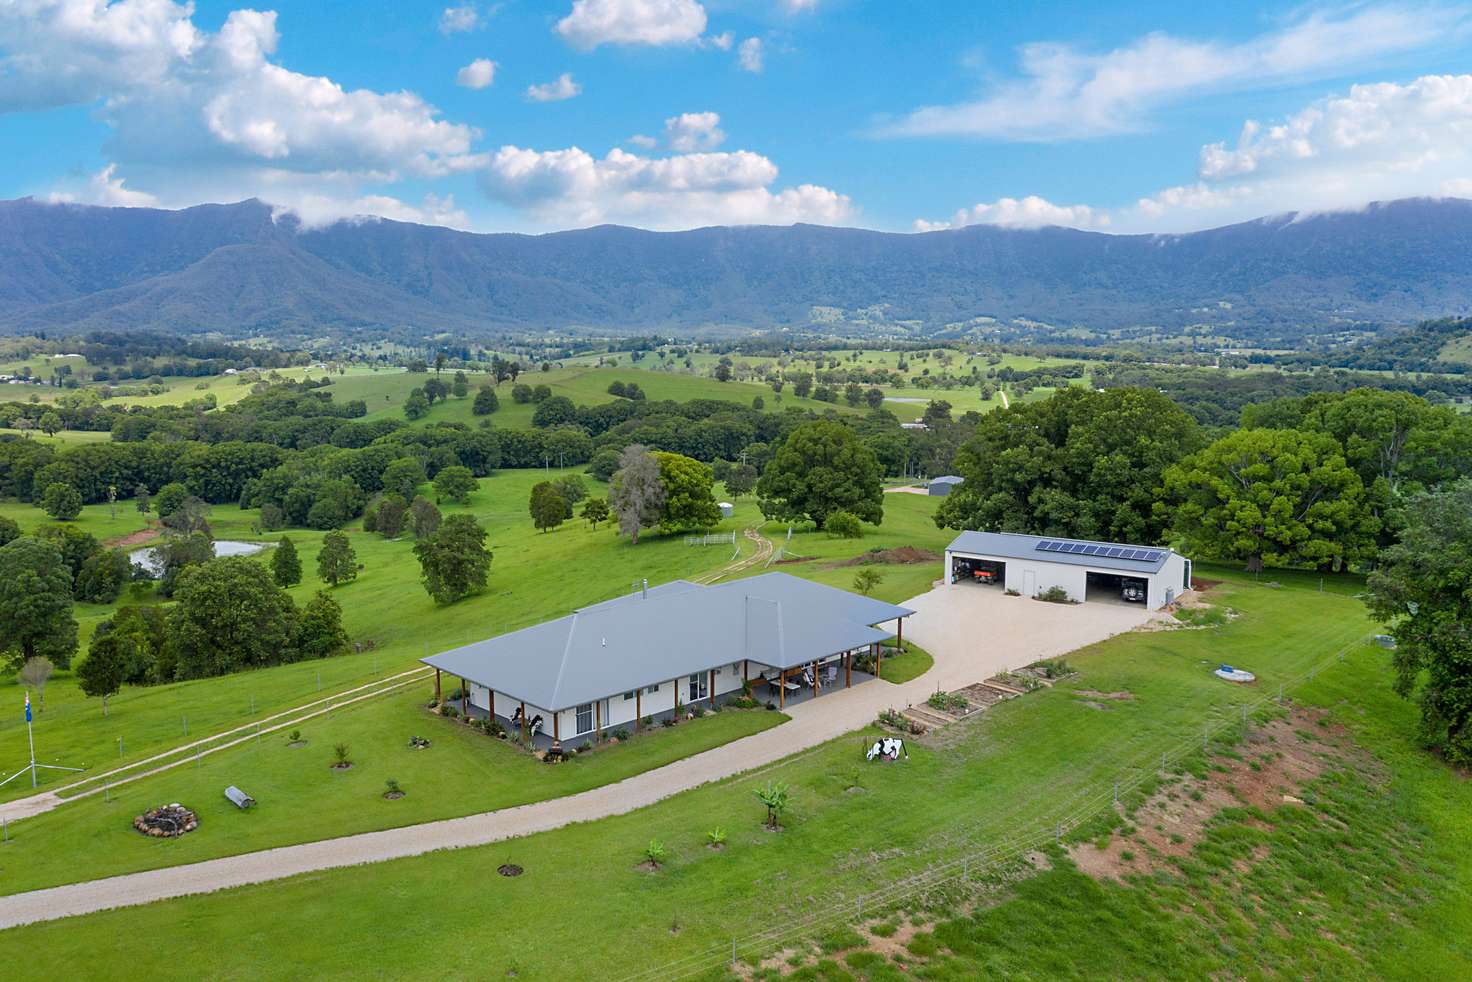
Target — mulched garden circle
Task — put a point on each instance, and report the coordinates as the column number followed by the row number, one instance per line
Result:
column 509, row 869
column 394, row 795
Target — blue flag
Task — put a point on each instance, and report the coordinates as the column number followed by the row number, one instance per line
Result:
column 28, row 707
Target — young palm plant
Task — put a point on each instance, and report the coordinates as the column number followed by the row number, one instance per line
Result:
column 655, row 853
column 775, row 796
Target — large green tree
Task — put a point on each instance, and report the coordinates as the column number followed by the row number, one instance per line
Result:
column 230, row 616
column 35, row 604
column 319, row 630
column 454, row 560
column 61, row 501
column 1271, row 498
column 455, row 483
column 336, row 561
column 547, row 505
column 821, row 467
column 101, row 673
column 286, row 565
column 1081, row 464
column 1422, row 588
column 689, row 501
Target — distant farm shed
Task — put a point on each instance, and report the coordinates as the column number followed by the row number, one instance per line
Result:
column 942, row 486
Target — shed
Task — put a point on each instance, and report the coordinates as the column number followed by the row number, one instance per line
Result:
column 726, row 509
column 941, row 486
column 1110, row 572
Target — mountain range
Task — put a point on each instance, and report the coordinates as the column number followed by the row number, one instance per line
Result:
column 244, row 271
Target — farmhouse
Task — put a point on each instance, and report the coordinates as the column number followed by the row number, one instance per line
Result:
column 657, row 652
column 1084, row 570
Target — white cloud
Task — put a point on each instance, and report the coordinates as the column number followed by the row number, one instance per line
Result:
column 571, row 187
column 560, row 88
column 1029, row 212
column 456, row 20
column 1376, row 142
column 721, row 41
column 316, row 211
column 63, row 52
column 643, row 141
column 1068, row 93
column 750, row 55
column 655, row 22
column 479, row 74
column 688, row 132
column 799, row 6
column 106, row 189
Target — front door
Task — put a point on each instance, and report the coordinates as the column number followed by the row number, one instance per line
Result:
column 1029, row 582
column 699, row 686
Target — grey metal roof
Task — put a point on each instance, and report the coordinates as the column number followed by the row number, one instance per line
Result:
column 676, row 629
column 1016, row 545
column 948, row 479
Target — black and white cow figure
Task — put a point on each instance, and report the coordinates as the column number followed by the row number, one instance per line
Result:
column 536, row 726
column 888, row 748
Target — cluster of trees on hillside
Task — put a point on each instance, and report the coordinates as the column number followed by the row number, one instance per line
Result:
column 1217, row 399
column 1416, row 350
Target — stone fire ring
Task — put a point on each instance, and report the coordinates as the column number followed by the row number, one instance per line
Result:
column 166, row 821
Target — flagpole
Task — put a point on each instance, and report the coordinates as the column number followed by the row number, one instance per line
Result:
column 31, row 739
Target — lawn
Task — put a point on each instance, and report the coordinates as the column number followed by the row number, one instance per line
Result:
column 386, row 391
column 535, row 576
column 302, row 798
column 1013, row 769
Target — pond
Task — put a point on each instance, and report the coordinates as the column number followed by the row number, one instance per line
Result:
column 148, row 559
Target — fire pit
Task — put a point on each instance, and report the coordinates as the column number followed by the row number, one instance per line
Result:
column 166, row 821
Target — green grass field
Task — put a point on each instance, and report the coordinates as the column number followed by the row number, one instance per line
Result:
column 534, row 576
column 1009, row 770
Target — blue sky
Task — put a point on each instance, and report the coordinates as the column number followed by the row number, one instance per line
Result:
column 535, row 116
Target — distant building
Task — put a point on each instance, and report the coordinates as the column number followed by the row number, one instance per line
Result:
column 941, row 486
column 726, row 509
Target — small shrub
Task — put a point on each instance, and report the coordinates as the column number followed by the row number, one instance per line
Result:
column 655, row 853
column 667, row 721
column 449, row 711
column 340, row 755
column 1012, row 593
column 1054, row 595
column 698, row 712
column 294, row 736
column 392, row 786
column 893, row 718
column 950, row 702
column 647, row 722
column 716, row 836
column 843, row 525
column 1127, row 855
column 620, row 734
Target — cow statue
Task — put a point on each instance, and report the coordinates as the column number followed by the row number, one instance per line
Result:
column 536, row 726
column 517, row 717
column 888, row 748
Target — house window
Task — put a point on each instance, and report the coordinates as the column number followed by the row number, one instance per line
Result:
column 698, row 686
column 651, row 690
column 628, row 696
column 585, row 717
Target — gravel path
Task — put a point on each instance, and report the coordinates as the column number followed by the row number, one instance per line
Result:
column 947, row 623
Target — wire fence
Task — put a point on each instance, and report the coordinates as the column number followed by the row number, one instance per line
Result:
column 1016, row 834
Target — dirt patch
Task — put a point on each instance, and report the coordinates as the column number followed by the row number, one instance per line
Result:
column 342, row 767
column 137, row 538
column 394, row 795
column 297, row 743
column 1120, row 696
column 901, row 556
column 648, row 866
column 509, row 869
column 1277, row 761
column 1201, row 586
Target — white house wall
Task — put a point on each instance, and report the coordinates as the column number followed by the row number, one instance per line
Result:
column 617, row 711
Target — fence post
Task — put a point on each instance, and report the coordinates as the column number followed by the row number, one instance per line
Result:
column 1280, row 693
column 1162, row 762
column 733, row 952
column 120, row 746
column 186, row 724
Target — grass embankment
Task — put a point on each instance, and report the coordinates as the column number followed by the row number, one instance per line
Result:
column 1013, row 769
column 535, row 576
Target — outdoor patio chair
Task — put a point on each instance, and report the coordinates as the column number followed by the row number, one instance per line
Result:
column 830, row 675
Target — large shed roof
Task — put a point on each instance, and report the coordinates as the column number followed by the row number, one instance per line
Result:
column 1117, row 556
column 672, row 630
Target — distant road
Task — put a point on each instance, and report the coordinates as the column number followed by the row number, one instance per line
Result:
column 1005, row 403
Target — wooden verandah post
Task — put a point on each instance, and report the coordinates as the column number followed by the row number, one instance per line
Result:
column 598, row 721
column 782, row 691
column 464, row 698
column 878, row 660
column 848, row 669
column 437, row 699
column 638, row 708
